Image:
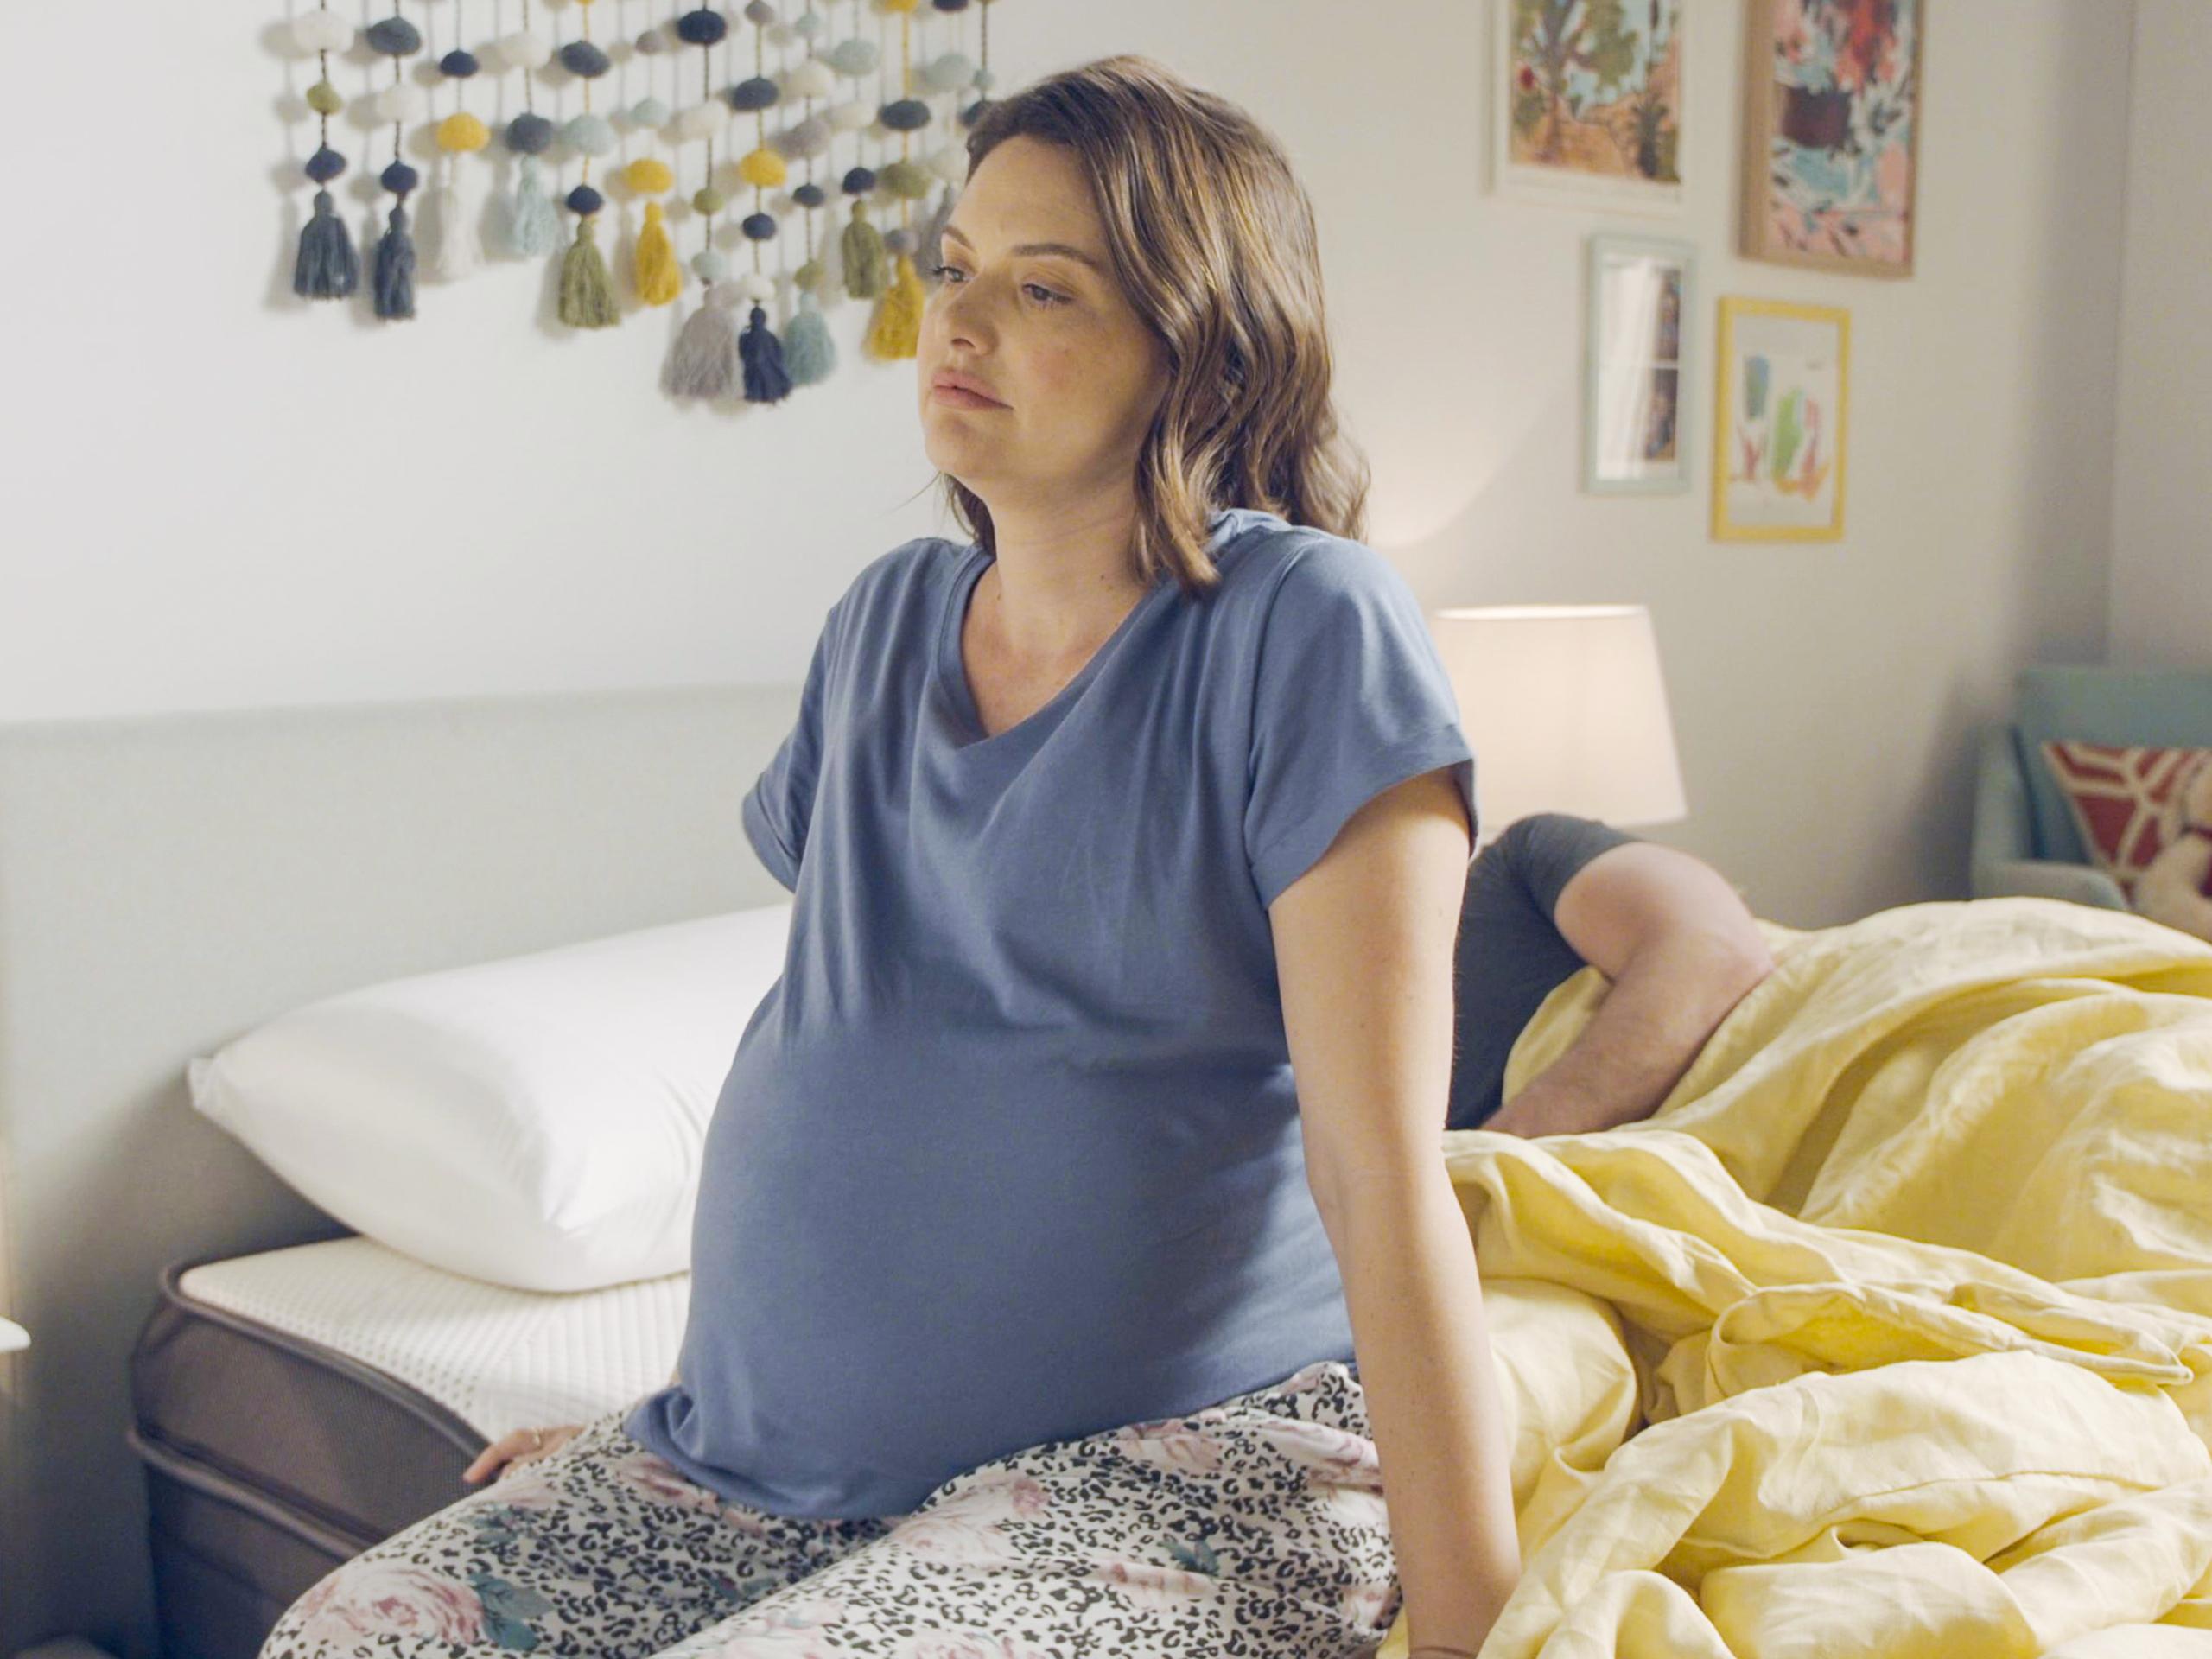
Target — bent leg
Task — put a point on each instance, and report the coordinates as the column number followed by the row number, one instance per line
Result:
column 1255, row 1527
column 602, row 1547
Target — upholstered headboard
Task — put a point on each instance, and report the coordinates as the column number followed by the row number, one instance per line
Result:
column 165, row 884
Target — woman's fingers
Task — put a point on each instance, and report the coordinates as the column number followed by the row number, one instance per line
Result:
column 496, row 1455
column 520, row 1447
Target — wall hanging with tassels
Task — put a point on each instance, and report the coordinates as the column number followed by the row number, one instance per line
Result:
column 799, row 121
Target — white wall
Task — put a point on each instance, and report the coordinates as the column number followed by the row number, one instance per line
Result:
column 221, row 498
column 2161, row 535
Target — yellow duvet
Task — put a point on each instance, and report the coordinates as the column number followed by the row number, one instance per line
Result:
column 1912, row 1274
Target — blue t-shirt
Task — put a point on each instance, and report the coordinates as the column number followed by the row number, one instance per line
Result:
column 1011, row 1151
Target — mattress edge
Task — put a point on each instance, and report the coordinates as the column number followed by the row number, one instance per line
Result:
column 440, row 1418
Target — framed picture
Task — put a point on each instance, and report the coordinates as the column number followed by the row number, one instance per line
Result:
column 1832, row 133
column 1634, row 403
column 1782, row 397
column 1587, row 102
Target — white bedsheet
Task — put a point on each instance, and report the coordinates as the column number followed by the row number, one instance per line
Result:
column 499, row 1358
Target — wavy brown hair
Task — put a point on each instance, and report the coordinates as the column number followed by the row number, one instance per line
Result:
column 1211, row 238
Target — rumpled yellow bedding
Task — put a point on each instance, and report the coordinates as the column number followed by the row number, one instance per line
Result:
column 1914, row 1268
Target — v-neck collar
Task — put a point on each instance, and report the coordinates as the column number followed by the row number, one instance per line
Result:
column 952, row 672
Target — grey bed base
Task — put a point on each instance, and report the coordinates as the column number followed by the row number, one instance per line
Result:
column 269, row 1461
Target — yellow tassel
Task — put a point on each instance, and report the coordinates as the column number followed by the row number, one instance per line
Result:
column 660, row 279
column 897, row 330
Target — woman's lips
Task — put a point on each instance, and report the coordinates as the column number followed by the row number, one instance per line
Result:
column 961, row 397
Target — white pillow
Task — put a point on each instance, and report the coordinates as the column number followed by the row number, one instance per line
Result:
column 535, row 1121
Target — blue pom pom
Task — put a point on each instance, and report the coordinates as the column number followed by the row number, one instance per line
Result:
column 584, row 201
column 395, row 36
column 399, row 178
column 530, row 135
column 325, row 165
column 810, row 196
column 973, row 113
column 858, row 181
column 951, row 5
column 582, row 58
column 758, row 227
column 705, row 26
column 458, row 64
column 905, row 115
column 754, row 93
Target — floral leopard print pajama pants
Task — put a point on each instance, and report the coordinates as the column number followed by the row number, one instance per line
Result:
column 1255, row 1527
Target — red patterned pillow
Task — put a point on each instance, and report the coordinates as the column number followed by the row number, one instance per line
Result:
column 2126, row 801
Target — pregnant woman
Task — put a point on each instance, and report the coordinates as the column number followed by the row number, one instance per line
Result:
column 1075, row 1269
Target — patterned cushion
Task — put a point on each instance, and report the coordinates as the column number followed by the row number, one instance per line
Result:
column 2125, row 800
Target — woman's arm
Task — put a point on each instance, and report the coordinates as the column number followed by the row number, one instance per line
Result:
column 1681, row 949
column 1364, row 946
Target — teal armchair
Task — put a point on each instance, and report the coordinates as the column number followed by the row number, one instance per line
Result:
column 2024, row 841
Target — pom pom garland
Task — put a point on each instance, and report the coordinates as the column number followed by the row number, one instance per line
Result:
column 321, row 32
column 589, row 135
column 401, row 101
column 393, row 278
column 526, row 225
column 461, row 134
column 585, row 60
column 587, row 295
column 754, row 93
column 525, row 49
column 452, row 248
column 656, row 271
column 811, row 79
column 325, row 266
column 396, row 37
column 530, row 134
column 731, row 345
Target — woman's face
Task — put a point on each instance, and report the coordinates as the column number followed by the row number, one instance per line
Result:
column 1074, row 376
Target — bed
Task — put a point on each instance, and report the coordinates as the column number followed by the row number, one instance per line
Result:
column 169, row 883
column 295, row 1406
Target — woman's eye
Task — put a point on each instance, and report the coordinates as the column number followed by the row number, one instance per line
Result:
column 1044, row 295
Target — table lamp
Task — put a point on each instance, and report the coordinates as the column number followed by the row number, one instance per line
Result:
column 1566, row 710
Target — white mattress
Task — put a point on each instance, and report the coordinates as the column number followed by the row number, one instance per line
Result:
column 497, row 1358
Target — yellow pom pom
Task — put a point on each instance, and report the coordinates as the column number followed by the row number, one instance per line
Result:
column 897, row 330
column 763, row 168
column 649, row 175
column 462, row 131
column 660, row 279
column 896, row 5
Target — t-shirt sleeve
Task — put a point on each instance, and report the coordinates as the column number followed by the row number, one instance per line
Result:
column 780, row 808
column 1547, row 849
column 1351, row 696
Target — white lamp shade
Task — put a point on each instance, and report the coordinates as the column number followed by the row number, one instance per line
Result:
column 12, row 1336
column 1566, row 710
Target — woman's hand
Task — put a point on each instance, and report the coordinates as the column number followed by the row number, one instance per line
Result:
column 524, row 1446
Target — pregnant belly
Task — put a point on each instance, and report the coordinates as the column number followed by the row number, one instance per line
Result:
column 922, row 1268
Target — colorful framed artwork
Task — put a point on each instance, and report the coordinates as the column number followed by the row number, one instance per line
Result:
column 1587, row 102
column 1782, row 397
column 1832, row 133
column 1634, row 403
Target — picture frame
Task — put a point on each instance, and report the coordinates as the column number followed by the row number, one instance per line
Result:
column 1781, row 425
column 1832, row 118
column 1614, row 129
column 1639, row 301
